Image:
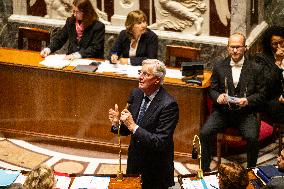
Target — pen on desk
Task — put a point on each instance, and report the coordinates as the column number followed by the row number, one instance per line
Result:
column 214, row 186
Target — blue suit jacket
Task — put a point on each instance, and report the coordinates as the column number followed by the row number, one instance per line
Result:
column 147, row 47
column 151, row 150
column 91, row 44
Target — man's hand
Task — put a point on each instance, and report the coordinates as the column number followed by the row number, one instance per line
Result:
column 127, row 119
column 45, row 52
column 222, row 99
column 279, row 55
column 113, row 115
column 242, row 102
column 281, row 99
column 114, row 59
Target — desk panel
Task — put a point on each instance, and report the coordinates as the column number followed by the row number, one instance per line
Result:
column 73, row 106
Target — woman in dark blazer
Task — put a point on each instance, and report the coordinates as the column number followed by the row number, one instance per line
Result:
column 272, row 60
column 136, row 43
column 84, row 32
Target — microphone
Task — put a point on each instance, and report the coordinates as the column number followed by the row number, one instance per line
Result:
column 194, row 152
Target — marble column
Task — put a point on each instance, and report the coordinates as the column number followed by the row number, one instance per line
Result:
column 241, row 15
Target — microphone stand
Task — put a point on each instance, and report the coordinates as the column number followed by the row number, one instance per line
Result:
column 119, row 176
column 195, row 155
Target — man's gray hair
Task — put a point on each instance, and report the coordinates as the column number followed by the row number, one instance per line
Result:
column 158, row 66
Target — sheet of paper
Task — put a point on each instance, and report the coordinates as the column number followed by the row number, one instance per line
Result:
column 130, row 71
column 80, row 61
column 62, row 182
column 20, row 179
column 173, row 73
column 55, row 61
column 7, row 177
column 100, row 182
column 91, row 182
column 209, row 182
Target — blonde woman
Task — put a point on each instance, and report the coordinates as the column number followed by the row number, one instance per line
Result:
column 40, row 178
column 136, row 43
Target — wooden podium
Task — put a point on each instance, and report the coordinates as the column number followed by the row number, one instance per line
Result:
column 128, row 182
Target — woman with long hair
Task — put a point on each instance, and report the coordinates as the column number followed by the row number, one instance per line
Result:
column 272, row 60
column 84, row 32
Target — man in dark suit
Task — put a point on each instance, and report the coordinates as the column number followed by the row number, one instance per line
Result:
column 237, row 91
column 151, row 150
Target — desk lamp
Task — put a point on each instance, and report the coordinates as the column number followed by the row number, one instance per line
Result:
column 195, row 155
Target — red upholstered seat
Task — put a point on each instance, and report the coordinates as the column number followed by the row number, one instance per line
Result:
column 265, row 131
column 232, row 138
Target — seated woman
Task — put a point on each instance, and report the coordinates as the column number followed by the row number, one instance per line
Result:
column 40, row 177
column 84, row 32
column 136, row 43
column 272, row 60
column 232, row 175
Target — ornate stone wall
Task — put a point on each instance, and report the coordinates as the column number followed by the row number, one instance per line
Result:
column 6, row 9
column 274, row 13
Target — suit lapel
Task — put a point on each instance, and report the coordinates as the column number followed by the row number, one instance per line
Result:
column 153, row 106
column 136, row 106
column 244, row 76
column 228, row 75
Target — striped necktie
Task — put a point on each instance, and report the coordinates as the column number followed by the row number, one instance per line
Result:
column 143, row 109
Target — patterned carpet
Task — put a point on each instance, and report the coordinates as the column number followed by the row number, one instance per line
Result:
column 21, row 155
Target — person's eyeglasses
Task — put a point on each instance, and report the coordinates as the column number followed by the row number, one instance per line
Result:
column 237, row 47
column 276, row 43
column 144, row 74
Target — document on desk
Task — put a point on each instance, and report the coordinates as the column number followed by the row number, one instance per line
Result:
column 209, row 182
column 132, row 71
column 173, row 73
column 90, row 182
column 124, row 69
column 62, row 182
column 7, row 177
column 21, row 179
column 55, row 61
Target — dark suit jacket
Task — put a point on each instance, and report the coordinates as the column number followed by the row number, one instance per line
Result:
column 91, row 44
column 147, row 47
column 250, row 84
column 272, row 74
column 151, row 150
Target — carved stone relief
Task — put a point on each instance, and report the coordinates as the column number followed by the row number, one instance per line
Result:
column 179, row 15
column 121, row 9
column 222, row 7
column 58, row 9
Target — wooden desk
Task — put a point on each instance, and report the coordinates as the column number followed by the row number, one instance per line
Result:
column 71, row 106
